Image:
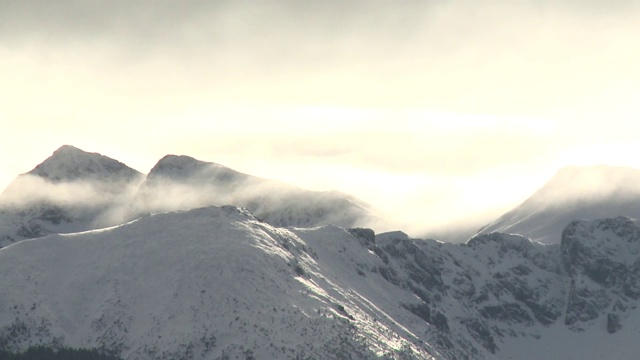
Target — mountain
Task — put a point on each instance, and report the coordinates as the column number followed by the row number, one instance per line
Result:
column 178, row 277
column 70, row 191
column 182, row 183
column 74, row 190
column 210, row 283
column 573, row 193
column 69, row 163
column 217, row 283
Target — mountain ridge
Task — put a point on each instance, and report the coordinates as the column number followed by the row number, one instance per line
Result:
column 573, row 193
column 70, row 163
column 220, row 273
column 273, row 278
column 74, row 190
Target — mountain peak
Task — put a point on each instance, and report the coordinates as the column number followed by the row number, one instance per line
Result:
column 69, row 163
column 180, row 162
column 601, row 180
column 68, row 149
column 182, row 167
column 574, row 193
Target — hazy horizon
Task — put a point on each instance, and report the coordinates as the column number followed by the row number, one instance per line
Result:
column 437, row 113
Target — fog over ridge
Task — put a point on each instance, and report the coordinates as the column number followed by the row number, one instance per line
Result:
column 462, row 105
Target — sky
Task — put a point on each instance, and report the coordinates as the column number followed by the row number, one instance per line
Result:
column 442, row 114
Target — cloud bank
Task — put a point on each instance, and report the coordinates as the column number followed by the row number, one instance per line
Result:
column 398, row 103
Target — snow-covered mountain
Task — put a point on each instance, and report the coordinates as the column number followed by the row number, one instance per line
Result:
column 210, row 283
column 69, row 164
column 216, row 283
column 573, row 193
column 182, row 183
column 197, row 281
column 74, row 190
column 70, row 191
column 519, row 299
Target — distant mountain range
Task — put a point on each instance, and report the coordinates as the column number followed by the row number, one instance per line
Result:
column 267, row 276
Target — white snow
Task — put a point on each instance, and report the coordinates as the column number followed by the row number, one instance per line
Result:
column 214, row 282
column 77, row 191
column 171, row 283
column 574, row 193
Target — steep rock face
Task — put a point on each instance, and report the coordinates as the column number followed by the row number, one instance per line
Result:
column 477, row 295
column 602, row 259
column 497, row 289
column 70, row 191
column 573, row 193
column 182, row 182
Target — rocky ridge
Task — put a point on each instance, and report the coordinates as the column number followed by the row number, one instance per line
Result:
column 220, row 273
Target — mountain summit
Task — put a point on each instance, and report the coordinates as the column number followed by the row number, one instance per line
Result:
column 179, row 167
column 74, row 190
column 574, row 193
column 182, row 183
column 69, row 163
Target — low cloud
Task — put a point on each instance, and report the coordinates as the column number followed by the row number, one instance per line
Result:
column 28, row 189
column 211, row 79
column 107, row 203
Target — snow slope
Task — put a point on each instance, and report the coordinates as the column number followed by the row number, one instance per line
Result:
column 210, row 283
column 574, row 193
column 216, row 283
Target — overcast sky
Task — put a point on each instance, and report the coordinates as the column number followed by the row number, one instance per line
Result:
column 434, row 111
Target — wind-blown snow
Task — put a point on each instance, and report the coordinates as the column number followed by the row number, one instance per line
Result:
column 574, row 193
column 182, row 183
column 75, row 191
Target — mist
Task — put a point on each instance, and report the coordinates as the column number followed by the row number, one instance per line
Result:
column 441, row 115
column 29, row 189
column 99, row 203
column 179, row 183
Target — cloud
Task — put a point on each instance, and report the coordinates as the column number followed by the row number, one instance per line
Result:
column 103, row 203
column 337, row 89
column 521, row 58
